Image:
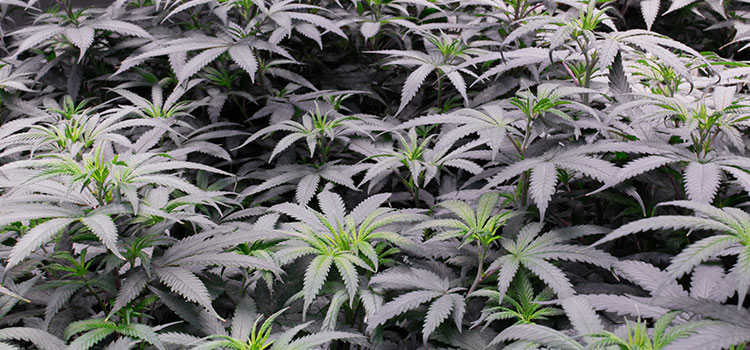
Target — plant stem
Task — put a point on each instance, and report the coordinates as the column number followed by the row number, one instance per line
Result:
column 525, row 178
column 517, row 10
column 526, row 175
column 590, row 63
column 480, row 267
column 416, row 196
column 489, row 273
column 68, row 8
column 571, row 74
column 101, row 302
column 240, row 106
column 440, row 90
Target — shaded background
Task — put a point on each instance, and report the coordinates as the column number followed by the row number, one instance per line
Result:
column 19, row 19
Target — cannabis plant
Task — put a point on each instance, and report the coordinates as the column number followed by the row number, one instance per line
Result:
column 374, row 174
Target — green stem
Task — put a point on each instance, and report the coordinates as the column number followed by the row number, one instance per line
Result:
column 517, row 10
column 571, row 74
column 489, row 273
column 480, row 267
column 101, row 302
column 526, row 136
column 68, row 8
column 525, row 177
column 590, row 62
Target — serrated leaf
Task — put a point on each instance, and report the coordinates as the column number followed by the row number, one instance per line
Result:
column 123, row 343
column 131, row 288
column 438, row 312
column 649, row 10
column 242, row 321
column 399, row 305
column 59, row 298
column 551, row 275
column 81, row 37
column 36, row 237
column 6, row 346
column 698, row 252
column 709, row 282
column 313, row 341
column 349, row 274
column 197, row 63
column 42, row 34
column 229, row 260
column 608, row 50
column 543, row 185
column 663, row 222
column 412, row 84
column 623, row 305
column 333, row 207
column 245, row 58
column 143, row 332
column 186, row 284
column 89, row 339
column 103, row 227
column 38, row 337
column 739, row 274
column 718, row 6
column 582, row 315
column 334, row 308
column 538, row 334
column 702, row 181
column 508, row 269
column 648, row 277
column 712, row 337
column 369, row 29
column 723, row 96
column 120, row 27
column 315, row 275
column 285, row 142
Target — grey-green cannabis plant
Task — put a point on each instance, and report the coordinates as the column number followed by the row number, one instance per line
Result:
column 480, row 227
column 520, row 303
column 344, row 240
column 247, row 333
column 590, row 333
column 708, row 282
column 374, row 174
column 531, row 249
column 733, row 239
column 426, row 287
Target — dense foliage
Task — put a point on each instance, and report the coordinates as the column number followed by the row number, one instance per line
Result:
column 375, row 174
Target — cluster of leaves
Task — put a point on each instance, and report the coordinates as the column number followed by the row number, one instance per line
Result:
column 374, row 174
